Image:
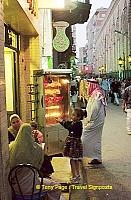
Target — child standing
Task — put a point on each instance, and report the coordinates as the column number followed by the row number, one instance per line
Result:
column 73, row 145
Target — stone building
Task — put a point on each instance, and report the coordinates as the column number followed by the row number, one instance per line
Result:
column 92, row 31
column 113, row 41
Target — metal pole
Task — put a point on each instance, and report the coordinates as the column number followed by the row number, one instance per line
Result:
column 124, row 74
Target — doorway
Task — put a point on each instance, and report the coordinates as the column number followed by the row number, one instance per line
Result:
column 11, row 81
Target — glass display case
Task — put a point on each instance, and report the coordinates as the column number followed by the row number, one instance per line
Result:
column 53, row 102
column 56, row 89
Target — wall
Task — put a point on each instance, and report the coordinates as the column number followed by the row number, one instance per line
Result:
column 92, row 31
column 29, row 60
column 4, row 155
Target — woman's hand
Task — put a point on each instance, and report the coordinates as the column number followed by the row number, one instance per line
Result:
column 34, row 133
column 59, row 119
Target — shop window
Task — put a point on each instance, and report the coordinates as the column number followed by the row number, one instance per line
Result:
column 56, row 90
column 9, row 79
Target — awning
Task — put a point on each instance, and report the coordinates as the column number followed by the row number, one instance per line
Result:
column 19, row 17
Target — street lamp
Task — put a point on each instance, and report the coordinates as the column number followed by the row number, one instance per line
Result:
column 129, row 59
column 99, row 69
column 120, row 61
column 103, row 69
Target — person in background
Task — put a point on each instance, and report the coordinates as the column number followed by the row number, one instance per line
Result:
column 123, row 84
column 74, row 99
column 25, row 150
column 74, row 93
column 128, row 82
column 73, row 145
column 15, row 123
column 105, row 87
column 115, row 88
column 126, row 104
column 93, row 124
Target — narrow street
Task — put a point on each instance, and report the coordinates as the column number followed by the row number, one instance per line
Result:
column 49, row 51
column 115, row 171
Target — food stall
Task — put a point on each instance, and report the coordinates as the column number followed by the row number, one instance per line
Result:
column 53, row 102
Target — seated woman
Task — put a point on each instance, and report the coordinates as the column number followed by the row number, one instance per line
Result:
column 15, row 123
column 46, row 168
column 25, row 150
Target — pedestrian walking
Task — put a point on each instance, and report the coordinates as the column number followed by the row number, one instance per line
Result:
column 74, row 93
column 74, row 99
column 106, row 87
column 127, row 105
column 73, row 144
column 115, row 88
column 93, row 124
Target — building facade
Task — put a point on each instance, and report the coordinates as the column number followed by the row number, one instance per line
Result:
column 45, row 30
column 82, row 55
column 113, row 44
column 92, row 31
column 84, row 67
column 19, row 39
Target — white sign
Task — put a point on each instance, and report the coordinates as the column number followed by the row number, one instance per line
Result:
column 51, row 4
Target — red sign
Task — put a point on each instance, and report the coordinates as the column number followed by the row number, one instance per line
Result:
column 87, row 69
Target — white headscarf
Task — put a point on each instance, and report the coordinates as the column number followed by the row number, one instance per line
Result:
column 14, row 116
column 95, row 94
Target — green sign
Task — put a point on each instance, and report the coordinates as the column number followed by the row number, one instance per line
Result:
column 61, row 42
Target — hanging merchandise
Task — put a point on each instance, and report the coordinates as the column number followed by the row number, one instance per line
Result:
column 83, row 90
column 61, row 42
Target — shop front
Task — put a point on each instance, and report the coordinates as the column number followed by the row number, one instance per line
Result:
column 11, row 52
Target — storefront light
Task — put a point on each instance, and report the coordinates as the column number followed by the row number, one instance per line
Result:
column 102, row 68
column 99, row 69
column 120, row 61
column 51, row 4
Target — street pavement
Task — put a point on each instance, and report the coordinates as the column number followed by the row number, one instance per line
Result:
column 114, row 173
column 112, row 179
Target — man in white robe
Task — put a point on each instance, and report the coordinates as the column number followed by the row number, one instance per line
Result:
column 93, row 124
